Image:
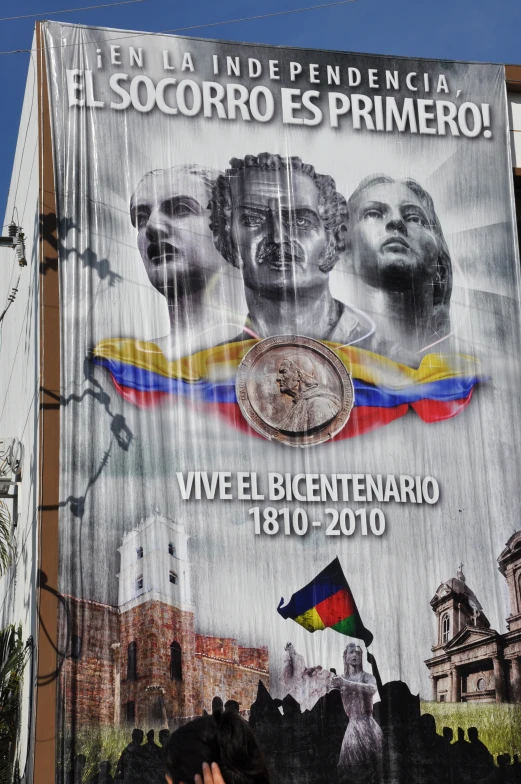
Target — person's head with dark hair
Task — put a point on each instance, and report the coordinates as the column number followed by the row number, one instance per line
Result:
column 163, row 737
column 284, row 226
column 428, row 723
column 395, row 243
column 232, row 705
column 138, row 736
column 269, row 211
column 224, row 738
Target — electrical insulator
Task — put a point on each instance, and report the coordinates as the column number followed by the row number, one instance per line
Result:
column 20, row 249
column 13, row 229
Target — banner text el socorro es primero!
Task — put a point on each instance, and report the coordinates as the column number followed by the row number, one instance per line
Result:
column 231, row 100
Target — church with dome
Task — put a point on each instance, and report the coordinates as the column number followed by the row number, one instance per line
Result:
column 471, row 662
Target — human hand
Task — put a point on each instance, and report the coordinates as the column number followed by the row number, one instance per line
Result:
column 211, row 775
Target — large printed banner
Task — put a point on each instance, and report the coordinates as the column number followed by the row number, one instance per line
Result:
column 290, row 408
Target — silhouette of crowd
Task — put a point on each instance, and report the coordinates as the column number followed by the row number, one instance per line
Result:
column 140, row 762
column 303, row 747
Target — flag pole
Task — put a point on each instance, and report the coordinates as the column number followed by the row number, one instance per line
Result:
column 376, row 672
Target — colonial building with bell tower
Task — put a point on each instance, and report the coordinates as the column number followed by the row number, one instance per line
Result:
column 142, row 662
column 157, row 637
column 472, row 662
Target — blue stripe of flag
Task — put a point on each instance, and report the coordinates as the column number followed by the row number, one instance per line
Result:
column 322, row 587
column 445, row 390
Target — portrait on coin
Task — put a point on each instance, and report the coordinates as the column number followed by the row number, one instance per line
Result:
column 294, row 389
column 313, row 404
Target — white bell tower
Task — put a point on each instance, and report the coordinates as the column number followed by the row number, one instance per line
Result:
column 154, row 565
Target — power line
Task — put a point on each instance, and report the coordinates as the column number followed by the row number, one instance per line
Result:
column 260, row 16
column 69, row 10
column 10, row 300
column 192, row 27
column 25, row 139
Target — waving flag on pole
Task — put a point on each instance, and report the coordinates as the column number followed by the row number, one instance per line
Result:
column 327, row 603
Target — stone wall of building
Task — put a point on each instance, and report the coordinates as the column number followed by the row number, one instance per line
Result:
column 86, row 682
column 230, row 671
column 230, row 682
column 443, row 688
column 224, row 648
column 479, row 681
column 257, row 658
column 154, row 626
column 229, row 649
column 87, row 686
column 94, row 682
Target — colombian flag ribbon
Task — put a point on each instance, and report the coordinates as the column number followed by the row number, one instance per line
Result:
column 327, row 603
column 440, row 388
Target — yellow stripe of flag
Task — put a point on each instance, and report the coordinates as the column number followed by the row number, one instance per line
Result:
column 311, row 621
column 221, row 363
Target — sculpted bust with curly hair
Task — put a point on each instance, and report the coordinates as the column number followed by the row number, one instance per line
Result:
column 284, row 226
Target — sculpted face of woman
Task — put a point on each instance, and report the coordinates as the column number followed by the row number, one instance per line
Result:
column 391, row 242
column 353, row 657
column 169, row 211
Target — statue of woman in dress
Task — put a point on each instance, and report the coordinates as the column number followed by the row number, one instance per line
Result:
column 362, row 745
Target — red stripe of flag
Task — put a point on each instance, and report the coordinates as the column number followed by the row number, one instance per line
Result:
column 337, row 607
column 437, row 411
column 363, row 419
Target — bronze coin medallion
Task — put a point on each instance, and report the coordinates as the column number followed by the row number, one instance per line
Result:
column 294, row 390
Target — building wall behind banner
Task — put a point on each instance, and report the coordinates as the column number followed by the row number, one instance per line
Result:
column 514, row 100
column 19, row 394
column 330, row 213
column 514, row 113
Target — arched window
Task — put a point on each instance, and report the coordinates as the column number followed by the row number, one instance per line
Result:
column 130, row 712
column 176, row 666
column 156, row 713
column 139, row 553
column 445, row 628
column 75, row 647
column 171, row 548
column 132, row 661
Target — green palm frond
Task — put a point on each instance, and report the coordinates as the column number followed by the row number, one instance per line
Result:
column 14, row 654
column 6, row 542
column 13, row 658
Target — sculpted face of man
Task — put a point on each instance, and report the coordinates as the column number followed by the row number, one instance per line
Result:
column 391, row 243
column 294, row 374
column 288, row 378
column 278, row 231
column 169, row 210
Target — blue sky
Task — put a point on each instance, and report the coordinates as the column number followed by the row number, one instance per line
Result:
column 485, row 30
